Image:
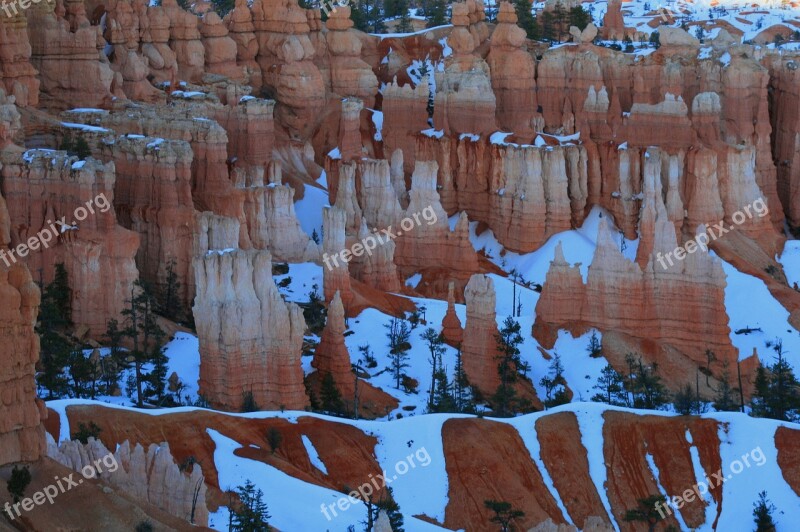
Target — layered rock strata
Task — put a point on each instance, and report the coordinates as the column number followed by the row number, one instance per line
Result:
column 150, row 476
column 250, row 339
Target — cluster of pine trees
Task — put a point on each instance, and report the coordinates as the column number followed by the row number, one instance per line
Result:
column 70, row 368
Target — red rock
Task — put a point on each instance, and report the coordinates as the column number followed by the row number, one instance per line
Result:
column 451, row 326
column 17, row 75
column 250, row 340
column 151, row 477
column 335, row 274
column 331, row 355
column 513, row 74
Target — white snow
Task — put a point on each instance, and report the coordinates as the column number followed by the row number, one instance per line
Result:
column 313, row 456
column 85, row 127
column 790, row 260
column 750, row 305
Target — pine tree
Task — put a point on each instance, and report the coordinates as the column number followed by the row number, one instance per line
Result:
column 112, row 364
column 505, row 400
column 725, row 398
column 687, row 402
column 330, row 396
column 18, row 483
column 404, row 23
column 595, row 349
column 462, row 391
column 762, row 514
column 646, row 511
column 274, row 439
column 504, row 513
column 367, row 16
column 555, row 382
column 146, row 337
column 248, row 402
column 548, row 26
column 777, row 391
column 385, row 503
column 55, row 319
column 435, row 344
column 251, row 513
column 435, row 13
column 171, row 304
column 527, row 21
column 611, row 386
column 443, row 400
column 82, row 149
column 655, row 40
column 398, row 334
column 560, row 19
column 644, row 385
column 579, row 17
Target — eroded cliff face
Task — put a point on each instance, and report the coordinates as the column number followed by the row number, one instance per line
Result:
column 250, row 340
column 46, row 192
column 586, row 465
column 150, row 476
column 21, row 432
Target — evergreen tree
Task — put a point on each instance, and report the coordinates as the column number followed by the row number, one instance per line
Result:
column 398, row 334
column 385, row 503
column 18, row 483
column 462, row 391
column 579, row 17
column 156, row 380
column 394, row 8
column 505, row 400
column 171, row 303
column 249, row 402
column 443, row 400
column 251, row 513
column 146, row 337
column 112, row 364
column 404, row 23
column 367, row 16
column 330, row 396
column 611, row 386
column 527, row 21
column 595, row 349
column 435, row 13
column 504, row 513
column 548, row 26
column 644, row 385
column 646, row 511
column 435, row 343
column 777, row 391
column 55, row 319
column 725, row 399
column 83, row 373
column 687, row 401
column 85, row 432
column 274, row 439
column 314, row 311
column 82, row 149
column 762, row 514
column 555, row 384
column 560, row 20
column 655, row 40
